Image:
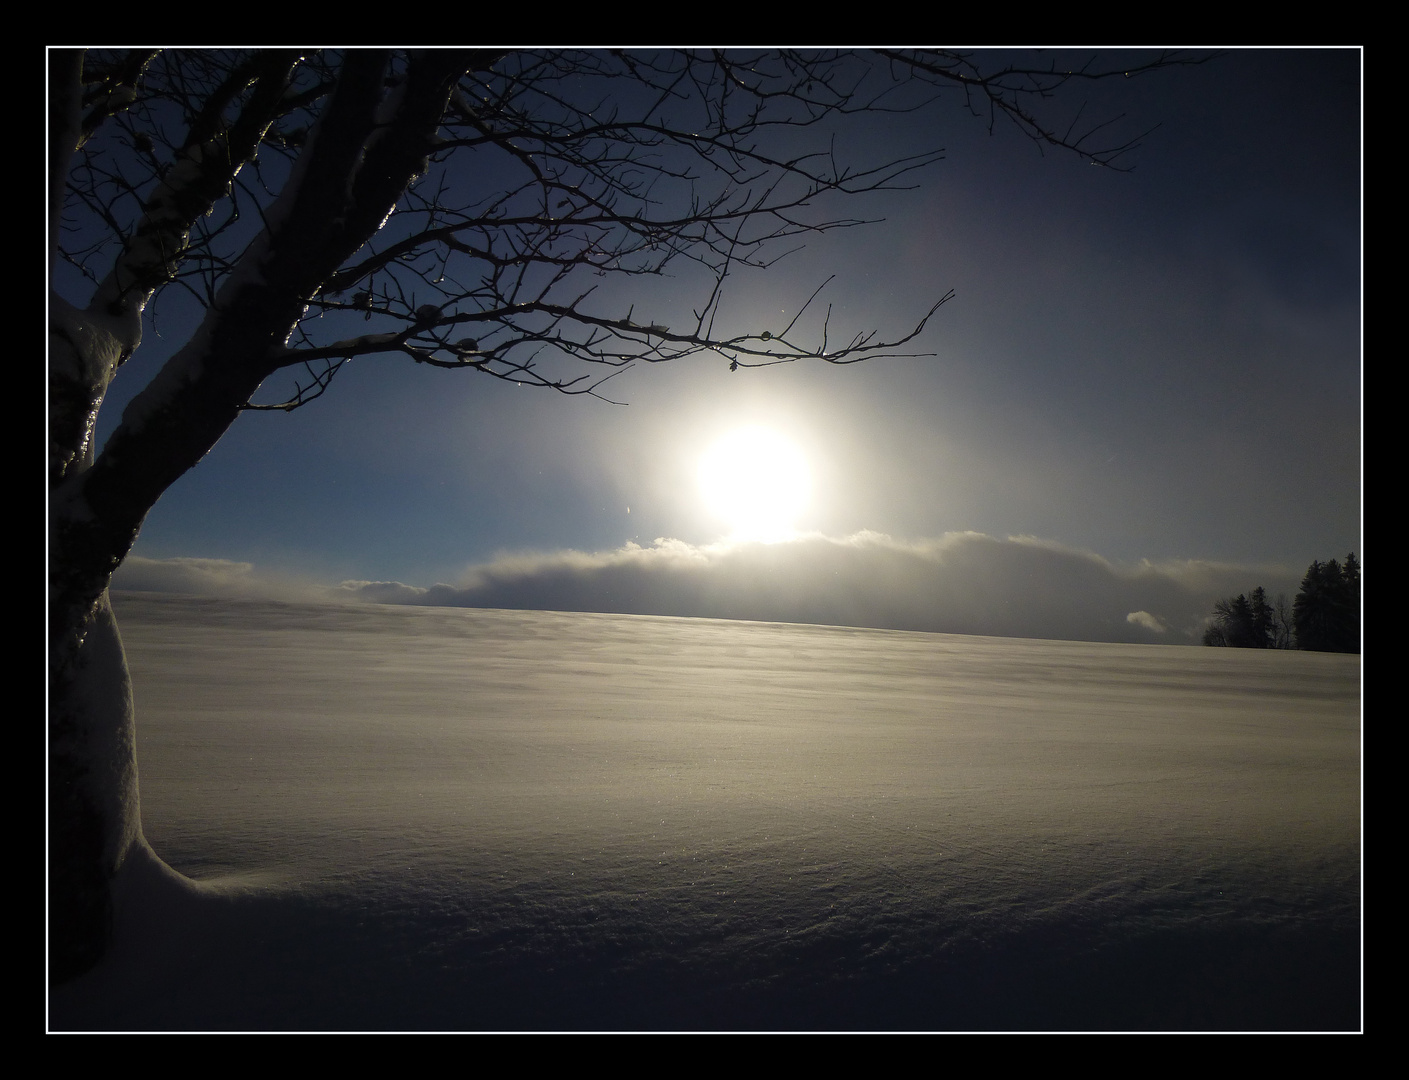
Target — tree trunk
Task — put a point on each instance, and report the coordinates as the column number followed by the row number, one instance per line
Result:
column 94, row 820
column 367, row 148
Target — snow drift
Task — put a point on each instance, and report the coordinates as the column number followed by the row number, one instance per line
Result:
column 446, row 819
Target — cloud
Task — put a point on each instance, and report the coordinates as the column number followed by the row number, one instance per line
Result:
column 1148, row 621
column 199, row 577
column 380, row 592
column 967, row 583
column 222, row 578
column 961, row 583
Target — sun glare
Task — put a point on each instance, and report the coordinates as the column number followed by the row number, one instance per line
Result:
column 756, row 482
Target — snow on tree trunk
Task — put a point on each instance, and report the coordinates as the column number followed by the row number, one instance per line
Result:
column 94, row 817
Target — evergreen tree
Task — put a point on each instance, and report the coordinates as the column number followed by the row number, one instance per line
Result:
column 1311, row 610
column 1233, row 623
column 1253, row 622
column 1351, row 576
column 1327, row 608
column 1261, row 625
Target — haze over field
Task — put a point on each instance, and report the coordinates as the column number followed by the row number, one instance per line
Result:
column 449, row 819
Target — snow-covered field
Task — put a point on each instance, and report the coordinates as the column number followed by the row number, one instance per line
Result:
column 431, row 818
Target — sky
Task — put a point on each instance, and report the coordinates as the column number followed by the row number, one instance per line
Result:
column 1145, row 394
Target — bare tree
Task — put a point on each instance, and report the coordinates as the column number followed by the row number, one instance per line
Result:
column 461, row 209
column 1283, row 623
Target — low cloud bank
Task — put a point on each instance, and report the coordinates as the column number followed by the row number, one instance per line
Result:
column 198, row 577
column 211, row 577
column 960, row 583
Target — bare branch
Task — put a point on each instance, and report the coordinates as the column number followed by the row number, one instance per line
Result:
column 460, row 209
column 111, row 88
column 1015, row 91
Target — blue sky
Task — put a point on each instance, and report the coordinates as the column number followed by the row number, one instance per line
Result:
column 1154, row 368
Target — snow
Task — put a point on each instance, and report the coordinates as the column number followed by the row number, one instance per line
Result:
column 448, row 819
column 95, row 340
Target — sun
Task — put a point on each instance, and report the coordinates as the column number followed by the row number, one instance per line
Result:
column 757, row 482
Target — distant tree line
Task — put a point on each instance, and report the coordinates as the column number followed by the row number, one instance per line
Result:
column 1324, row 617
